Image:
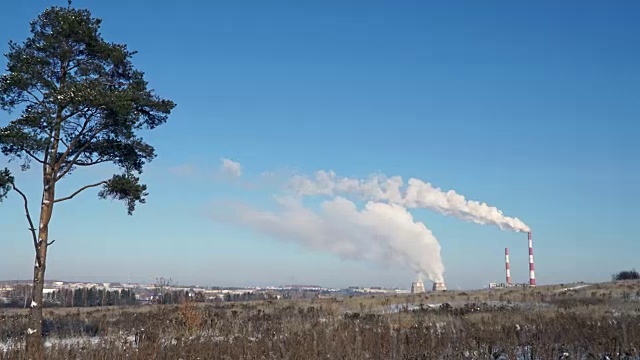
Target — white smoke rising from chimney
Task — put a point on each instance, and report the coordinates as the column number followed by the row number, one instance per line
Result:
column 423, row 195
column 381, row 232
column 416, row 194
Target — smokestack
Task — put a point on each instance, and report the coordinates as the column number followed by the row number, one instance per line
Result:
column 532, row 274
column 507, row 267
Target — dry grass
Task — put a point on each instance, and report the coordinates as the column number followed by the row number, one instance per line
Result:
column 583, row 326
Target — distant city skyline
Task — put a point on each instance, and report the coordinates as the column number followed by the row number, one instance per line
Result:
column 530, row 108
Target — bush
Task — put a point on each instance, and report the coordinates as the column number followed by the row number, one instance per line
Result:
column 626, row 275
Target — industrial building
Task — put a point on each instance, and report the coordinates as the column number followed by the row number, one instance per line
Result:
column 417, row 287
column 439, row 286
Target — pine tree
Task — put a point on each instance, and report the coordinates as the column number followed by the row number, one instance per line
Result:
column 81, row 103
column 77, row 298
column 92, row 297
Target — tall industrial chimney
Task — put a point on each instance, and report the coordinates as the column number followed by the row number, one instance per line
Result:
column 507, row 267
column 532, row 274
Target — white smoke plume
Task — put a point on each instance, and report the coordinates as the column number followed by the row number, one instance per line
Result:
column 416, row 194
column 381, row 232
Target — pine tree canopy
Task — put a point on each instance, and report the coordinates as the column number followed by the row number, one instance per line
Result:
column 80, row 102
column 5, row 183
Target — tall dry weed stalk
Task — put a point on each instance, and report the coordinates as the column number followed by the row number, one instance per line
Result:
column 191, row 317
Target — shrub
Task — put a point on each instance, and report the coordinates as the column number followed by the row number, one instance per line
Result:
column 626, row 275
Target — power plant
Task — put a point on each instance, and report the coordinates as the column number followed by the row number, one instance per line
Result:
column 507, row 265
column 418, row 286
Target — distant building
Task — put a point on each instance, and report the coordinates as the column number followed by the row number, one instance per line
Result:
column 494, row 285
column 439, row 286
column 417, row 287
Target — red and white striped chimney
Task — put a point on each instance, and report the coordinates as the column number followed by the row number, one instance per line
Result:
column 532, row 274
column 507, row 267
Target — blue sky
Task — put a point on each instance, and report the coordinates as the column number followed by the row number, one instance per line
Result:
column 529, row 106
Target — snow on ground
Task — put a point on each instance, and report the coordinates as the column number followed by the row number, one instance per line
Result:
column 574, row 288
column 522, row 352
column 460, row 304
column 77, row 340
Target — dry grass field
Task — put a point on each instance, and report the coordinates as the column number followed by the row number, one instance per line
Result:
column 572, row 321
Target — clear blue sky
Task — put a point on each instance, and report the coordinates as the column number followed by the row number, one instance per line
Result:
column 531, row 106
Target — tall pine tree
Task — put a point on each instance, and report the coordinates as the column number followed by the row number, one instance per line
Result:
column 80, row 103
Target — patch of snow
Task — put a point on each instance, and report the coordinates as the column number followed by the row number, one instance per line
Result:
column 574, row 288
column 94, row 340
column 30, row 331
column 34, row 304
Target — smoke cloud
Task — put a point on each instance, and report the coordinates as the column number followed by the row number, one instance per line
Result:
column 383, row 230
column 380, row 232
column 415, row 194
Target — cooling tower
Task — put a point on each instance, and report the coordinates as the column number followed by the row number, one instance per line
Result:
column 417, row 287
column 439, row 286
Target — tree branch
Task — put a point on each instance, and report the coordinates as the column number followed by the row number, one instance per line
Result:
column 26, row 210
column 70, row 115
column 77, row 155
column 75, row 140
column 38, row 100
column 64, row 143
column 90, row 163
column 79, row 191
column 33, row 156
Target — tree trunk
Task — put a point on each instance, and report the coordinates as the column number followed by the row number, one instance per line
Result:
column 35, row 345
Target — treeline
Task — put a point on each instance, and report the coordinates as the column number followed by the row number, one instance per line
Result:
column 249, row 296
column 626, row 275
column 83, row 297
column 178, row 297
column 89, row 297
column 16, row 297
